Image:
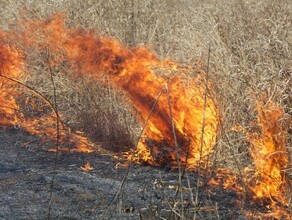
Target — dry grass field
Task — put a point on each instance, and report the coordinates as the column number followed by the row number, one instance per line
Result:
column 245, row 46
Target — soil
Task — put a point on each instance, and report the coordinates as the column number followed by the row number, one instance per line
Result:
column 27, row 169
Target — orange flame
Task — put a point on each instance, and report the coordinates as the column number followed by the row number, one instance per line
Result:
column 270, row 156
column 87, row 167
column 267, row 180
column 134, row 70
column 180, row 113
column 11, row 63
column 11, row 75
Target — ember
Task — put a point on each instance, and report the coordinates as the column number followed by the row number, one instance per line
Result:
column 87, row 167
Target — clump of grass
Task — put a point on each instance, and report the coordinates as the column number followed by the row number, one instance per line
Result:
column 87, row 105
column 103, row 114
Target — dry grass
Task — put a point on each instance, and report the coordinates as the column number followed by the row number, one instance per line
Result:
column 251, row 54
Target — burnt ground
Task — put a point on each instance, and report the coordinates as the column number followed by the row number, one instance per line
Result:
column 26, row 172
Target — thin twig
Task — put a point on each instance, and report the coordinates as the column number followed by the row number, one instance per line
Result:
column 203, row 130
column 57, row 139
column 239, row 171
column 38, row 94
column 176, row 151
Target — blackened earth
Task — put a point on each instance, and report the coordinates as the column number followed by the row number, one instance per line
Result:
column 107, row 192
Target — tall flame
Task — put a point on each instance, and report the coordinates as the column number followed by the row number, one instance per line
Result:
column 266, row 183
column 11, row 62
column 269, row 153
column 134, row 70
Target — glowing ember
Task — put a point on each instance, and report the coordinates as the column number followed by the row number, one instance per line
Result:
column 87, row 167
column 227, row 180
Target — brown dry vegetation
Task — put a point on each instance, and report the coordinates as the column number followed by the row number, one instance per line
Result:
column 251, row 59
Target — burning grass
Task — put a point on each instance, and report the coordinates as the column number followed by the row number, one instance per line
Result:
column 187, row 112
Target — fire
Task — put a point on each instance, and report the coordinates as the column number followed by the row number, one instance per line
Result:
column 87, row 167
column 266, row 182
column 12, row 74
column 46, row 128
column 171, row 107
column 133, row 71
column 177, row 111
column 11, row 62
column 269, row 153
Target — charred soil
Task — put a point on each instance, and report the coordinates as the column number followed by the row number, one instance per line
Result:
column 148, row 193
